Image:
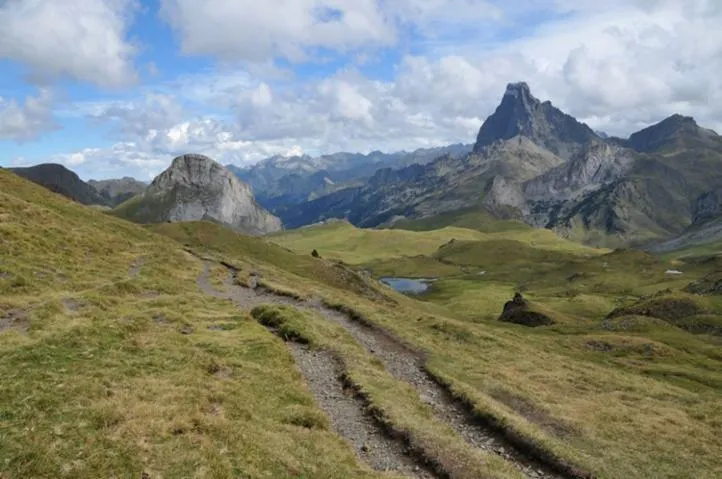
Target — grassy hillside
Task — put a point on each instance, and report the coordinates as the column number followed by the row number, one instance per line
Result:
column 343, row 241
column 357, row 246
column 471, row 218
column 626, row 395
column 115, row 365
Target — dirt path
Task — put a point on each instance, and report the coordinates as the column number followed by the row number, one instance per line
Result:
column 348, row 415
column 323, row 373
column 405, row 365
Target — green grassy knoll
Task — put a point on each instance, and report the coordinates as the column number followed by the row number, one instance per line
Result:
column 470, row 218
column 624, row 395
column 114, row 364
column 413, row 252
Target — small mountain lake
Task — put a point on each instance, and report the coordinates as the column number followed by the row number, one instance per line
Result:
column 408, row 285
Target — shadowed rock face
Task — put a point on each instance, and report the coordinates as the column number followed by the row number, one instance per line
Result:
column 519, row 311
column 663, row 134
column 61, row 180
column 521, row 114
column 197, row 188
column 708, row 206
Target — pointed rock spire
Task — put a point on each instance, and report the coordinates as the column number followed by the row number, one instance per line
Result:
column 521, row 114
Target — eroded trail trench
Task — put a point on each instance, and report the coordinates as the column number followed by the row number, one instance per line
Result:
column 322, row 372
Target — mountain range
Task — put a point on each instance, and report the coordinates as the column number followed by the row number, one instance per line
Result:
column 280, row 183
column 659, row 188
column 533, row 162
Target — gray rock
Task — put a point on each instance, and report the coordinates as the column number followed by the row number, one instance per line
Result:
column 197, row 188
column 707, row 207
column 521, row 114
column 117, row 191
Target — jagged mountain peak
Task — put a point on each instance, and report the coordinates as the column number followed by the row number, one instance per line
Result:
column 519, row 90
column 522, row 114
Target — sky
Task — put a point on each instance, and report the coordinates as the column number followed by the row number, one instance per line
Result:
column 114, row 88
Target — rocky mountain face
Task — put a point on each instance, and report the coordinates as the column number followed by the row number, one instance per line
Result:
column 197, row 188
column 61, row 180
column 533, row 162
column 675, row 131
column 707, row 207
column 280, row 183
column 115, row 192
column 706, row 224
column 446, row 184
column 521, row 114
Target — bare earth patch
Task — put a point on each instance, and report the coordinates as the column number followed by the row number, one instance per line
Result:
column 16, row 320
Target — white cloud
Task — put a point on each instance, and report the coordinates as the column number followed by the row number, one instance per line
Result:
column 27, row 121
column 135, row 119
column 81, row 39
column 255, row 31
column 619, row 68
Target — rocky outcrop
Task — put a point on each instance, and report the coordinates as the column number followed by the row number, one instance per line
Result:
column 521, row 114
column 599, row 164
column 520, row 311
column 707, row 207
column 115, row 192
column 61, row 180
column 197, row 188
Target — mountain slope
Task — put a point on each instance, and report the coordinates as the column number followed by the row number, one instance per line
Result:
column 534, row 163
column 446, row 184
column 197, row 188
column 281, row 182
column 116, row 364
column 673, row 133
column 117, row 191
column 61, row 180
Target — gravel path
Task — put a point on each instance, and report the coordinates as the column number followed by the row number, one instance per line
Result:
column 406, row 365
column 323, row 373
column 349, row 417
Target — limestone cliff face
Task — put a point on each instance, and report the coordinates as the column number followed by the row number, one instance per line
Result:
column 197, row 188
column 597, row 165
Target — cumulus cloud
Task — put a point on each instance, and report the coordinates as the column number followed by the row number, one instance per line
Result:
column 136, row 119
column 256, row 31
column 83, row 39
column 618, row 68
column 22, row 122
column 115, row 161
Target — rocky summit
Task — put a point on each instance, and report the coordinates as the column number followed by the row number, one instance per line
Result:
column 521, row 114
column 197, row 188
column 535, row 163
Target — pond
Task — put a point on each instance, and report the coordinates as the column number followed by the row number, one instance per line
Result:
column 409, row 285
